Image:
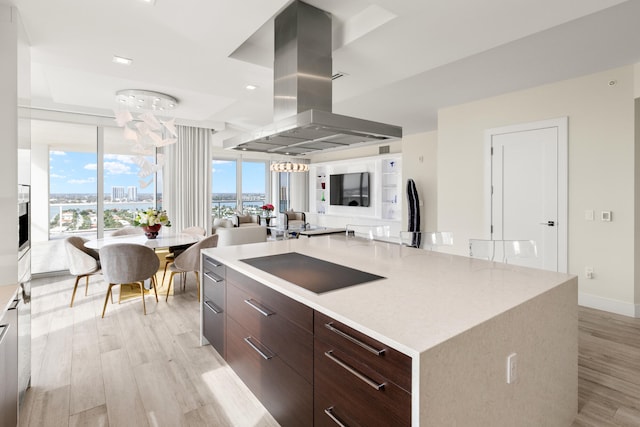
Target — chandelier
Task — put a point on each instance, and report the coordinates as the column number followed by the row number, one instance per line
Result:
column 289, row 167
column 136, row 99
column 146, row 132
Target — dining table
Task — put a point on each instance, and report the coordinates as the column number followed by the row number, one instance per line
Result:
column 163, row 241
column 160, row 242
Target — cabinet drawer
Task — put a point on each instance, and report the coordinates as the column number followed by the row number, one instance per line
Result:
column 210, row 265
column 355, row 394
column 285, row 394
column 289, row 341
column 292, row 310
column 213, row 318
column 390, row 363
column 214, row 289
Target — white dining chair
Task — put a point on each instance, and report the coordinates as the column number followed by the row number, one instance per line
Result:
column 189, row 260
column 127, row 231
column 124, row 263
column 175, row 251
column 82, row 262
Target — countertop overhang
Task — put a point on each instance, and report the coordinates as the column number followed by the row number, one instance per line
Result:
column 426, row 297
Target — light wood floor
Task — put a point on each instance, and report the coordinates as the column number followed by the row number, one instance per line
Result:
column 608, row 369
column 128, row 369
column 133, row 370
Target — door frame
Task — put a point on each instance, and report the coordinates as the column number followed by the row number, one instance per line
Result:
column 562, row 126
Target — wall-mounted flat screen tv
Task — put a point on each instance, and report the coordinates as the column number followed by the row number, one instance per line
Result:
column 349, row 189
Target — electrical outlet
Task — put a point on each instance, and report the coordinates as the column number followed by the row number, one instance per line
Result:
column 588, row 272
column 512, row 368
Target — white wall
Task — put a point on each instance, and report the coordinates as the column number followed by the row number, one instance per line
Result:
column 419, row 162
column 601, row 173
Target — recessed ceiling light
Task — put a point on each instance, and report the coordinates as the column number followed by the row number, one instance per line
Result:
column 149, row 1
column 251, row 87
column 121, row 60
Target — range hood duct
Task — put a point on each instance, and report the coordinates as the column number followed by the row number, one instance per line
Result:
column 303, row 121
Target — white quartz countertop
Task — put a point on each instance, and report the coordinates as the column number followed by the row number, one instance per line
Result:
column 7, row 293
column 425, row 299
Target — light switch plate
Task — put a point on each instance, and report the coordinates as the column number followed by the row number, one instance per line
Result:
column 605, row 216
column 589, row 215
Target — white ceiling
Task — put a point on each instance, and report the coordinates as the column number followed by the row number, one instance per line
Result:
column 405, row 59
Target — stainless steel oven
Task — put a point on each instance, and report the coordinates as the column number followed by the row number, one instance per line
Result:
column 24, row 294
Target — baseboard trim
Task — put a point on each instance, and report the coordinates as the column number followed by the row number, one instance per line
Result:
column 610, row 305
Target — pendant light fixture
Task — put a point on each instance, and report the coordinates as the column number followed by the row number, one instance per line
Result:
column 146, row 132
column 289, row 167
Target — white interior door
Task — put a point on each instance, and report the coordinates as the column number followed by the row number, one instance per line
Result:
column 529, row 197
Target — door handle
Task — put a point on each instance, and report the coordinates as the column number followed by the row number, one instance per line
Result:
column 548, row 223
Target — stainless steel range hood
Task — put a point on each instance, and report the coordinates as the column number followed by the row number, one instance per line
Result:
column 302, row 105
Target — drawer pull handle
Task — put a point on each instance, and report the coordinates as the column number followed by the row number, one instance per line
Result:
column 334, row 417
column 214, row 277
column 353, row 371
column 5, row 329
column 354, row 340
column 213, row 307
column 214, row 263
column 255, row 347
column 14, row 304
column 260, row 309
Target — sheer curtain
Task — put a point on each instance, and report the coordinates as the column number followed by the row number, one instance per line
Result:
column 186, row 179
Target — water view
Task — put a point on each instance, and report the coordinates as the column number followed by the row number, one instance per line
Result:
column 78, row 212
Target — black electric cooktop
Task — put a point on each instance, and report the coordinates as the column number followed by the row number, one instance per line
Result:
column 313, row 274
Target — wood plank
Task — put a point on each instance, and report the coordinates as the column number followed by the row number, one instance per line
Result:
column 124, row 403
column 51, row 408
column 87, row 387
column 158, row 393
column 94, row 417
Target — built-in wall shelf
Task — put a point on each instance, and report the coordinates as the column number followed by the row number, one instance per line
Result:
column 391, row 201
column 386, row 195
column 321, row 191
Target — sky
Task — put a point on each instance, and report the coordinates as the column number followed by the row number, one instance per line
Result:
column 224, row 176
column 76, row 172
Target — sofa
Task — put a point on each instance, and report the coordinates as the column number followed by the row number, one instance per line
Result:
column 292, row 219
column 228, row 235
column 245, row 220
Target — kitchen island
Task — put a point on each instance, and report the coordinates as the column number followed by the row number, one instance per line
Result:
column 457, row 320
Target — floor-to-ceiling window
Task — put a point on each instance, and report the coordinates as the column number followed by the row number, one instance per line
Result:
column 85, row 182
column 125, row 190
column 254, row 186
column 224, row 193
column 72, row 176
column 238, row 185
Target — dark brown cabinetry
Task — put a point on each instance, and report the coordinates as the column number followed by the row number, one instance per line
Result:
column 213, row 303
column 270, row 347
column 358, row 381
column 305, row 367
column 9, row 366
